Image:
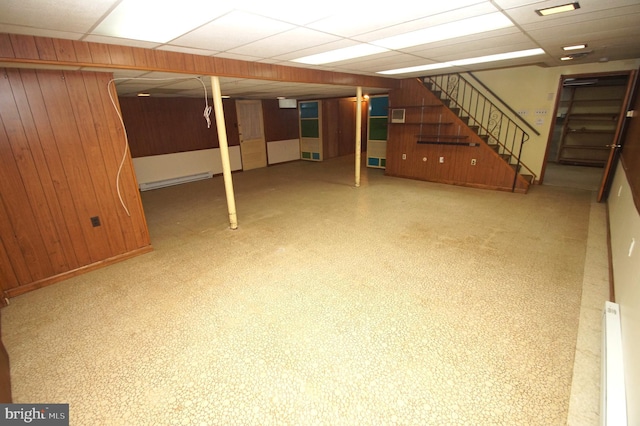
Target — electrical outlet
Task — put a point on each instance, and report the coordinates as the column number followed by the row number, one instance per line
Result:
column 404, row 156
column 473, row 161
column 441, row 160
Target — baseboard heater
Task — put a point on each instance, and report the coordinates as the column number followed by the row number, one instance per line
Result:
column 613, row 400
column 174, row 181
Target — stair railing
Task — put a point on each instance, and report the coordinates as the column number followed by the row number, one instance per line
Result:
column 498, row 129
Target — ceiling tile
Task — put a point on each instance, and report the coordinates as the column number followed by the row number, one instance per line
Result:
column 289, row 41
column 60, row 15
column 232, row 30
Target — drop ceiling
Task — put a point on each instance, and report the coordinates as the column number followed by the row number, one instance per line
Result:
column 280, row 31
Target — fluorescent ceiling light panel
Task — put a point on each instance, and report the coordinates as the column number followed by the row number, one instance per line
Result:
column 352, row 52
column 469, row 61
column 429, row 67
column 475, row 25
column 575, row 47
column 158, row 21
column 558, row 9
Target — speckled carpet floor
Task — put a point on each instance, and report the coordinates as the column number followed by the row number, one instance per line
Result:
column 399, row 302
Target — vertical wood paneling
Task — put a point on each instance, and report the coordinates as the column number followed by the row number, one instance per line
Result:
column 100, row 53
column 120, row 55
column 46, row 49
column 6, row 47
column 158, row 126
column 35, row 175
column 55, row 51
column 85, row 116
column 8, row 275
column 24, row 47
column 75, row 164
column 58, row 142
column 133, row 227
column 65, row 51
column 57, row 188
column 20, row 269
column 279, row 123
column 490, row 171
column 83, row 54
column 16, row 183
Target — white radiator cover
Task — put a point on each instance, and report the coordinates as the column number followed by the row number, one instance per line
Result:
column 174, row 181
column 158, row 171
column 613, row 400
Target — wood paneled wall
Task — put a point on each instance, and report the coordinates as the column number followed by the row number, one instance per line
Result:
column 167, row 125
column 490, row 170
column 631, row 150
column 339, row 127
column 44, row 50
column 279, row 123
column 61, row 144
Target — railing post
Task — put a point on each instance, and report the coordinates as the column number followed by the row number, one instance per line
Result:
column 515, row 176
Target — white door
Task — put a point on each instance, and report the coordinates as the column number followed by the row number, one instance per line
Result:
column 253, row 147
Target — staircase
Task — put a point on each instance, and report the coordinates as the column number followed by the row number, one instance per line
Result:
column 486, row 119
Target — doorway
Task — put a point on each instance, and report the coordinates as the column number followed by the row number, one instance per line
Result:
column 589, row 114
column 253, row 146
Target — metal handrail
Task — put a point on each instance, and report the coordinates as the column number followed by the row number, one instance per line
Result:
column 482, row 113
column 515, row 114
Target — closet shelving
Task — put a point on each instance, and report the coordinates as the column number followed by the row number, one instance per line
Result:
column 590, row 125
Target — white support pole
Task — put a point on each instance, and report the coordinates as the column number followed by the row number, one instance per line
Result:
column 358, row 132
column 224, row 151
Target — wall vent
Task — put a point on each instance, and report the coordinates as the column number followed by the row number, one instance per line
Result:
column 397, row 115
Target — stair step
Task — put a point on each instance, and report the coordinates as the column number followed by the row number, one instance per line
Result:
column 485, row 138
column 438, row 93
column 515, row 167
column 494, row 146
column 475, row 128
column 528, row 178
column 447, row 102
column 465, row 119
column 456, row 111
column 505, row 157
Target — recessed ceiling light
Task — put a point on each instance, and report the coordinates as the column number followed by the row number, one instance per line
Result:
column 558, row 9
column 144, row 95
column 575, row 47
column 566, row 58
column 468, row 61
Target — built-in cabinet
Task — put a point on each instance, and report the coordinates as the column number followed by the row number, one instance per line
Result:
column 590, row 124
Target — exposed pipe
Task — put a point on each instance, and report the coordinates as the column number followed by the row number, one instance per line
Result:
column 358, row 132
column 224, row 151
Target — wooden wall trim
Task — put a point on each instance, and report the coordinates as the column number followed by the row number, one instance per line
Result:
column 24, row 49
column 16, row 291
